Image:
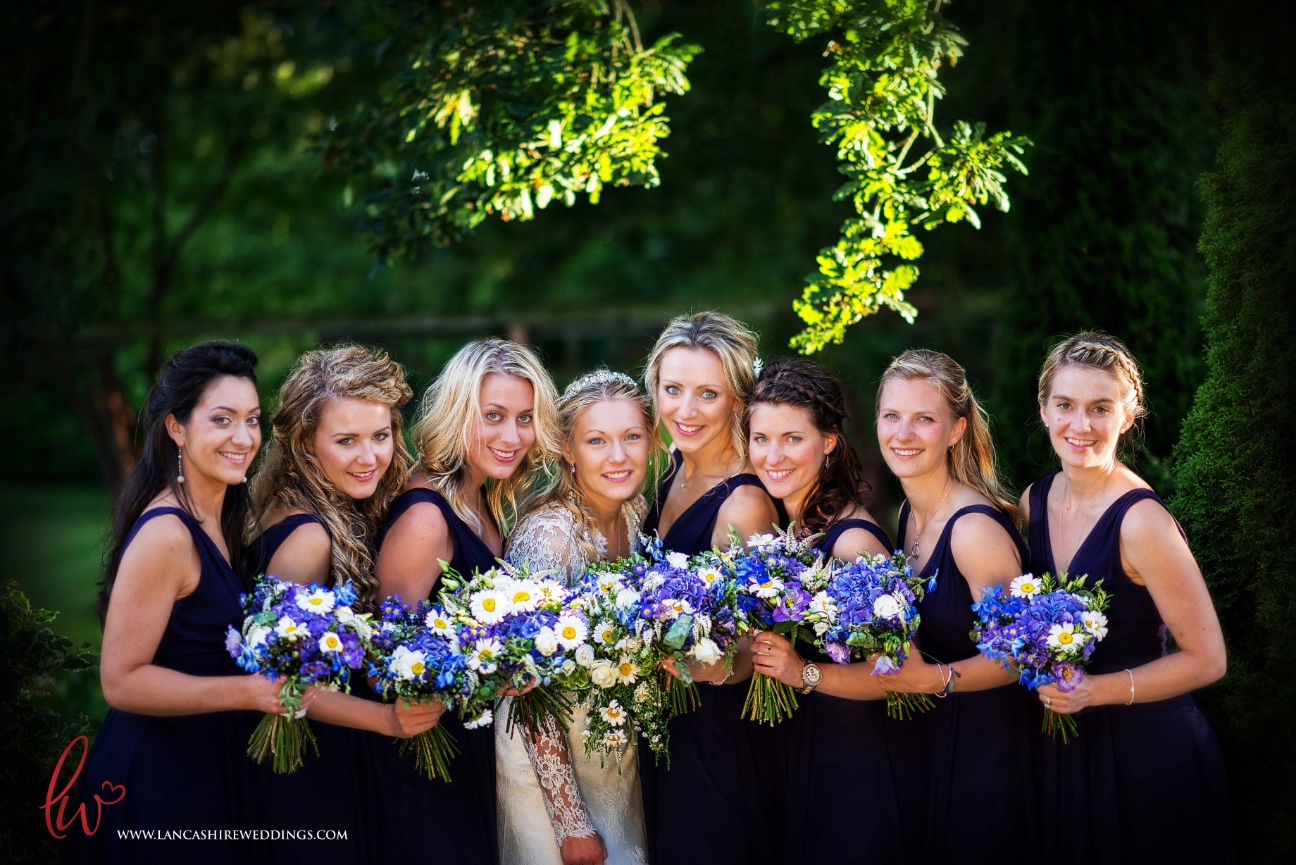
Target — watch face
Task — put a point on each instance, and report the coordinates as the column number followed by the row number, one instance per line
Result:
column 811, row 674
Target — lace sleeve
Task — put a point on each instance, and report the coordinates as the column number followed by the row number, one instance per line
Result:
column 546, row 540
column 551, row 759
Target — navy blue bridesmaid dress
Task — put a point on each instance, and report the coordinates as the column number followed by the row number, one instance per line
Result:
column 984, row 745
column 707, row 807
column 858, row 779
column 293, row 801
column 1141, row 783
column 181, row 772
column 433, row 820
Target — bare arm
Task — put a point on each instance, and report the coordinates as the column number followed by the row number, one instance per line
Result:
column 304, row 557
column 986, row 556
column 748, row 511
column 160, row 567
column 1154, row 554
column 409, row 562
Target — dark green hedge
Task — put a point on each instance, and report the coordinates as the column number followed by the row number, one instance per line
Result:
column 1237, row 485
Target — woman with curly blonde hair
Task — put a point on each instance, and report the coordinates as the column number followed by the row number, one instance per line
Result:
column 333, row 467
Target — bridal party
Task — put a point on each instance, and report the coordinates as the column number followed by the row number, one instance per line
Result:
column 652, row 618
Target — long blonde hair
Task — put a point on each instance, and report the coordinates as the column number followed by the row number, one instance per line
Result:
column 731, row 341
column 972, row 459
column 291, row 477
column 449, row 416
column 1103, row 352
column 561, row 489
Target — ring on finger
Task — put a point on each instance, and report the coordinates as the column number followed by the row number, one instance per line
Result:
column 1048, row 702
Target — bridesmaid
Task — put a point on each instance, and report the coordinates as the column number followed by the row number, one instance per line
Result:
column 956, row 527
column 590, row 511
column 705, row 807
column 841, row 739
column 175, row 737
column 330, row 472
column 485, row 430
column 1144, row 780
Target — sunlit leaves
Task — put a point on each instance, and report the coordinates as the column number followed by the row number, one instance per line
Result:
column 882, row 88
column 502, row 109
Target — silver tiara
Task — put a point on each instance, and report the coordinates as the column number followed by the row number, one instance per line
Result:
column 598, row 377
column 757, row 366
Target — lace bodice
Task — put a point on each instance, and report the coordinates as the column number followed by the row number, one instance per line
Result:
column 550, row 539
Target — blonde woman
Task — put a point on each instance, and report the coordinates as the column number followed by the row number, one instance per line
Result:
column 555, row 806
column 334, row 465
column 1145, row 776
column 957, row 528
column 486, row 429
column 711, row 804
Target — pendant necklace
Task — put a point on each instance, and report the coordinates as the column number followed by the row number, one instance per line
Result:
column 913, row 551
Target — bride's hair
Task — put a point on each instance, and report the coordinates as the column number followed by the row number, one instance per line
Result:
column 446, row 427
column 562, row 490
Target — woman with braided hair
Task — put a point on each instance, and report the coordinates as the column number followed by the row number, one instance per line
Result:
column 840, row 737
column 1144, row 781
column 333, row 467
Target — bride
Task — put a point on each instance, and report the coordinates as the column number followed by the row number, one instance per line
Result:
column 591, row 511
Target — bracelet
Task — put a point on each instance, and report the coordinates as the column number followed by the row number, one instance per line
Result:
column 1130, row 701
column 725, row 679
column 946, row 681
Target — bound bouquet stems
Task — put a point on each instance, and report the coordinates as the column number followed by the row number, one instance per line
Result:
column 540, row 709
column 284, row 738
column 433, row 751
column 769, row 701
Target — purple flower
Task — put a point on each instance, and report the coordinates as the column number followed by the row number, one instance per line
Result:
column 883, row 666
column 1068, row 676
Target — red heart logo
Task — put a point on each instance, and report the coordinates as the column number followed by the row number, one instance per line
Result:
column 119, row 789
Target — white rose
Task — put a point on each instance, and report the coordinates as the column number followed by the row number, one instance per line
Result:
column 706, row 651
column 257, row 636
column 626, row 598
column 546, row 642
column 585, row 655
column 344, row 613
column 677, row 560
column 886, row 607
column 568, row 667
column 603, row 674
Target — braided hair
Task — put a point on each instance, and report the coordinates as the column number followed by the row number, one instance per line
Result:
column 840, row 485
column 1099, row 351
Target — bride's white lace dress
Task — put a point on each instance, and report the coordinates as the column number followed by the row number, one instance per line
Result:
column 545, row 789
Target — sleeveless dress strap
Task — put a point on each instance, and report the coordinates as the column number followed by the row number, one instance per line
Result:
column 841, row 527
column 404, row 502
column 262, row 550
column 201, row 539
column 999, row 517
column 1037, row 530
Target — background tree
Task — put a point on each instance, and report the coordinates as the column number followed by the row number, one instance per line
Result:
column 1237, row 481
column 1103, row 235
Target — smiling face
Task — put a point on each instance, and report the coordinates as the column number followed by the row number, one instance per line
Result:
column 609, row 449
column 693, row 401
column 354, row 444
column 505, row 430
column 787, row 450
column 915, row 427
column 223, row 432
column 1085, row 416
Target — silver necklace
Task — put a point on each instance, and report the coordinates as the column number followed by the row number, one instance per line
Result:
column 913, row 551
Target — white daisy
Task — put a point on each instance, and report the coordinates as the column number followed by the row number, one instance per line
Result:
column 613, row 714
column 627, row 672
column 485, row 656
column 1025, row 586
column 605, row 633
column 290, row 630
column 439, row 623
column 330, row 642
column 571, row 632
column 489, row 606
column 320, row 601
column 406, row 664
column 1095, row 623
column 1065, row 638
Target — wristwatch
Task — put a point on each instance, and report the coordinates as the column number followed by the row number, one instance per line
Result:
column 810, row 676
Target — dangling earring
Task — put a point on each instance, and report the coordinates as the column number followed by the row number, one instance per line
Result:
column 827, row 459
column 573, row 469
column 179, row 467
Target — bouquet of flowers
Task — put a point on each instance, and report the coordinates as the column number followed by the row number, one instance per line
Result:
column 527, row 628
column 619, row 665
column 782, row 575
column 303, row 635
column 690, row 611
column 870, row 607
column 418, row 656
column 1045, row 629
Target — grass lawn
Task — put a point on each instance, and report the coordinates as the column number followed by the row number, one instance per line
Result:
column 51, row 537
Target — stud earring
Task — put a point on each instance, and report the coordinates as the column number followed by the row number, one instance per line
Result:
column 573, row 470
column 179, row 467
